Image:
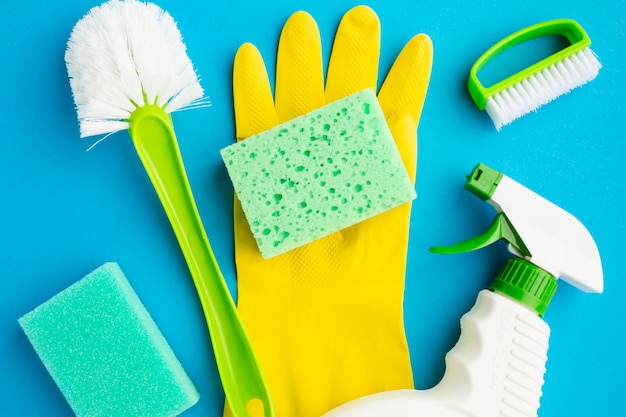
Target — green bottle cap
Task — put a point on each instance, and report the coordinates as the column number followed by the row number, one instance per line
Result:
column 527, row 283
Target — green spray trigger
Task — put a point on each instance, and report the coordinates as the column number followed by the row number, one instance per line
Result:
column 501, row 228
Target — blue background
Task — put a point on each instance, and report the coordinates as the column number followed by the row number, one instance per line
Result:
column 66, row 211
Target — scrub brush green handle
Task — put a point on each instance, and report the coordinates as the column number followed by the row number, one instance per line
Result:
column 129, row 69
column 153, row 135
column 539, row 83
column 567, row 28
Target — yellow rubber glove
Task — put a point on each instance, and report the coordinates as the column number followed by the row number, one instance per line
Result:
column 326, row 319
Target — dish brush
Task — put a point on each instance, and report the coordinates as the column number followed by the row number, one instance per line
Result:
column 129, row 69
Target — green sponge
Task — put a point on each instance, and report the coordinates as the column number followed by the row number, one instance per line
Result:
column 318, row 173
column 105, row 352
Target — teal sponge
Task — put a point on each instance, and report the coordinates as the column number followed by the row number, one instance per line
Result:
column 318, row 173
column 105, row 352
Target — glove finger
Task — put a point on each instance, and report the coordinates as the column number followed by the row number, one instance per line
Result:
column 404, row 129
column 402, row 96
column 353, row 64
column 252, row 94
column 405, row 86
column 299, row 73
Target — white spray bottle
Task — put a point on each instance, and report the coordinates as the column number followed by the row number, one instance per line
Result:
column 498, row 364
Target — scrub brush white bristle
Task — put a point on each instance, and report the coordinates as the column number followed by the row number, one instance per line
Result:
column 123, row 55
column 540, row 83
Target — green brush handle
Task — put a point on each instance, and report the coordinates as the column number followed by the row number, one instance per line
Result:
column 153, row 135
column 568, row 28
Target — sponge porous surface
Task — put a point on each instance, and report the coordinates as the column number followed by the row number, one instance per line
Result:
column 104, row 351
column 318, row 173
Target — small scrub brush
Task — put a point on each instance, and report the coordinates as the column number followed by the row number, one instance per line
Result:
column 129, row 69
column 541, row 82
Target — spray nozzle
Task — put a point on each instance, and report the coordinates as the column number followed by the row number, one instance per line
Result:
column 542, row 235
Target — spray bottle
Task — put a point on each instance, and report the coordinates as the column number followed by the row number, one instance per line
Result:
column 497, row 366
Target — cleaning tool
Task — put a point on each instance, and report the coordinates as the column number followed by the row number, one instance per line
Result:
column 541, row 82
column 497, row 367
column 128, row 69
column 104, row 351
column 318, row 173
column 326, row 318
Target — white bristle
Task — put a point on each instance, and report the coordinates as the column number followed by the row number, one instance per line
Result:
column 542, row 87
column 123, row 55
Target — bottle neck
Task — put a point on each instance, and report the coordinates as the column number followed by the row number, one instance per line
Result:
column 525, row 283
